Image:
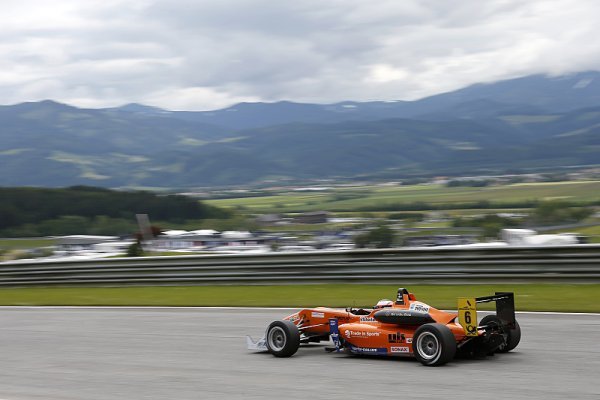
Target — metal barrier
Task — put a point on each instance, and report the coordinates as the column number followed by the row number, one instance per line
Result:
column 576, row 263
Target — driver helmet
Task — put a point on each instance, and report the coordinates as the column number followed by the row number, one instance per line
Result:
column 383, row 303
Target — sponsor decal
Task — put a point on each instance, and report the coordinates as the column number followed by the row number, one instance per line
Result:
column 316, row 314
column 396, row 338
column 367, row 319
column 419, row 307
column 367, row 350
column 335, row 334
column 399, row 314
column 359, row 334
column 399, row 349
column 409, row 340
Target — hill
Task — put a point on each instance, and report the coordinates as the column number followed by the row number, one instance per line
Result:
column 536, row 94
column 525, row 123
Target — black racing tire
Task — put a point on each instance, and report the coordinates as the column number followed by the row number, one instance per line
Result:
column 434, row 344
column 513, row 336
column 283, row 338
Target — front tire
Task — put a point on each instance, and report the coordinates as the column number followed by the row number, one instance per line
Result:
column 283, row 338
column 434, row 344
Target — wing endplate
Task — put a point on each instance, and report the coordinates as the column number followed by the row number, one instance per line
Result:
column 467, row 315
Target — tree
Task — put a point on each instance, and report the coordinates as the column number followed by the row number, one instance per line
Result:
column 491, row 224
column 77, row 210
column 135, row 250
column 491, row 229
column 381, row 237
column 558, row 212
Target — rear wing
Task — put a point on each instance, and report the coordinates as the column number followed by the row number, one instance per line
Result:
column 467, row 310
column 505, row 306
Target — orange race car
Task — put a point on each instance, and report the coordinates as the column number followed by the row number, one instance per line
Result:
column 404, row 327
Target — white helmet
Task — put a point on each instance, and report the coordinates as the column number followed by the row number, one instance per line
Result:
column 383, row 303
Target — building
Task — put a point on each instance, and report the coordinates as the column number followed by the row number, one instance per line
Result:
column 315, row 217
column 82, row 242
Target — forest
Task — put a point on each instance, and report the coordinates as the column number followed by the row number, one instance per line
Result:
column 26, row 211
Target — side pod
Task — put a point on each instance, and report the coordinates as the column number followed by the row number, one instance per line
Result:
column 402, row 317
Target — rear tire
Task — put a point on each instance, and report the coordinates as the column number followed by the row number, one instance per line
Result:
column 513, row 336
column 283, row 338
column 434, row 344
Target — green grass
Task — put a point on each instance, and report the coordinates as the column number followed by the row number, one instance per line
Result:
column 433, row 225
column 14, row 244
column 579, row 191
column 592, row 232
column 529, row 297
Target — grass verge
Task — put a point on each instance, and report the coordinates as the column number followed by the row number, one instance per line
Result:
column 529, row 297
column 22, row 243
column 375, row 196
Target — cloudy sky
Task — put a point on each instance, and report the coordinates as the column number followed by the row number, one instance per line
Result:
column 199, row 55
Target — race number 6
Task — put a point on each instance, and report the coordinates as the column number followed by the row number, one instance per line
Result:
column 467, row 315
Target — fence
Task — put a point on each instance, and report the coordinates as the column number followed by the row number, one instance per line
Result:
column 577, row 264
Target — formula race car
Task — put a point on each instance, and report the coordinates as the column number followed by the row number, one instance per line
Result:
column 404, row 327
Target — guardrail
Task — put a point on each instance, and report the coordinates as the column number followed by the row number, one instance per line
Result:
column 576, row 263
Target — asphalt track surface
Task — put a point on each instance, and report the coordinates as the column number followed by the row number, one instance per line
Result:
column 175, row 353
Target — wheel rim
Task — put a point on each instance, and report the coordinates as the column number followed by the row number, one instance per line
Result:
column 428, row 346
column 277, row 338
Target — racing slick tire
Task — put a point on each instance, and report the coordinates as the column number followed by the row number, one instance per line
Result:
column 434, row 344
column 513, row 336
column 283, row 338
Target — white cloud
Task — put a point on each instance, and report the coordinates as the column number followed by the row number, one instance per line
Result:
column 384, row 73
column 194, row 97
column 190, row 54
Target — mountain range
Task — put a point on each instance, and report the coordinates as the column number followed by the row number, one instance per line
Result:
column 524, row 124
